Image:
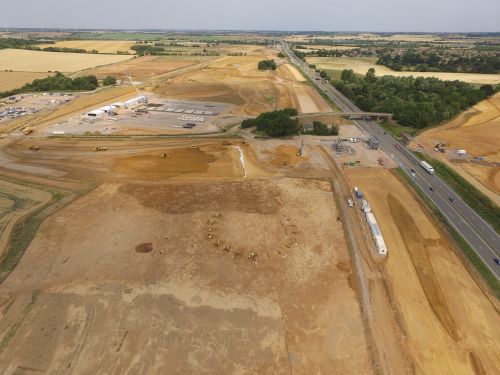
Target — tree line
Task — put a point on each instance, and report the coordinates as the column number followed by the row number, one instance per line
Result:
column 275, row 123
column 432, row 61
column 59, row 82
column 415, row 102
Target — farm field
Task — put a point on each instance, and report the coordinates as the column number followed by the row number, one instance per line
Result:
column 102, row 46
column 40, row 61
column 477, row 131
column 14, row 80
column 191, row 303
column 448, row 321
column 360, row 65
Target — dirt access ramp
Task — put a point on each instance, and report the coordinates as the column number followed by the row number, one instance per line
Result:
column 166, row 298
column 450, row 323
column 477, row 131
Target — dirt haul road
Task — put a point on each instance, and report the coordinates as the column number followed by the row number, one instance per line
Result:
column 449, row 323
column 150, row 272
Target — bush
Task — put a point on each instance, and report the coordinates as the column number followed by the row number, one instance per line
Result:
column 267, row 65
column 281, row 55
column 109, row 80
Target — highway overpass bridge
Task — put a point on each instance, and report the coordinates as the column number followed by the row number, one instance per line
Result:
column 350, row 115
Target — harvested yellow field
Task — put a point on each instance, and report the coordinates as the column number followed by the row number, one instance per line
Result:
column 13, row 80
column 360, row 65
column 315, row 47
column 40, row 61
column 102, row 46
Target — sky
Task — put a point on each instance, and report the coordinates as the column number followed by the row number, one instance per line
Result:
column 287, row 15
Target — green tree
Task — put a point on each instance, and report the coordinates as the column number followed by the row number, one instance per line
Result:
column 109, row 80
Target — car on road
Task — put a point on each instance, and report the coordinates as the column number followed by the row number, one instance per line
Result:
column 397, row 146
column 451, row 199
column 497, row 261
column 432, row 189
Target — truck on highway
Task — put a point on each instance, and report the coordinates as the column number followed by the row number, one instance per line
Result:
column 428, row 168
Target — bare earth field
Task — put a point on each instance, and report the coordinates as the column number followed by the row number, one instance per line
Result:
column 102, row 46
column 144, row 67
column 14, row 80
column 193, row 302
column 477, row 131
column 236, row 80
column 40, row 61
column 449, row 323
column 360, row 65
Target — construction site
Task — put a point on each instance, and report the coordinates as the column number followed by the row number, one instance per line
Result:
column 143, row 231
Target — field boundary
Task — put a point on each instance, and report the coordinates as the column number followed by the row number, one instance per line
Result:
column 467, row 254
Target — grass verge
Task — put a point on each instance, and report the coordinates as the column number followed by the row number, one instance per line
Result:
column 470, row 195
column 472, row 256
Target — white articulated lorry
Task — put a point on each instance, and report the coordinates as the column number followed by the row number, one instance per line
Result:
column 428, row 168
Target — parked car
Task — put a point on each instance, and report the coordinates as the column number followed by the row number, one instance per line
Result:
column 497, row 261
column 431, row 188
column 350, row 202
column 451, row 199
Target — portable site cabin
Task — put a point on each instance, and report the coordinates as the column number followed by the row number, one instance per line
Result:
column 376, row 233
column 96, row 113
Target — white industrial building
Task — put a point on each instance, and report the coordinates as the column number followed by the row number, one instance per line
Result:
column 376, row 233
column 111, row 109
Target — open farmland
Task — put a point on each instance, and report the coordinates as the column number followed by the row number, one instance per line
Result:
column 193, row 301
column 14, row 80
column 360, row 65
column 477, row 131
column 102, row 46
column 40, row 61
column 449, row 324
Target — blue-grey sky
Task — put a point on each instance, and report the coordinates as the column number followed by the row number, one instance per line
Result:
column 326, row 15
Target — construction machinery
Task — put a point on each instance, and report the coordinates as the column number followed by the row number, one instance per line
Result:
column 245, row 142
column 28, row 131
column 227, row 143
column 195, row 147
column 34, row 148
column 100, row 148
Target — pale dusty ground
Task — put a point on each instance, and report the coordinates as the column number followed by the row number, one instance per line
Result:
column 236, row 80
column 360, row 65
column 40, row 61
column 196, row 308
column 477, row 131
column 448, row 321
column 14, row 80
column 102, row 46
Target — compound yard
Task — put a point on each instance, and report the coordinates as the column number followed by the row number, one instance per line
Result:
column 41, row 61
column 191, row 288
column 360, row 65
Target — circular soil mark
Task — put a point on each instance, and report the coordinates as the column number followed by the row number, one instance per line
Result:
column 144, row 247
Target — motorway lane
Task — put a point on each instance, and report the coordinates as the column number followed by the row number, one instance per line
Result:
column 478, row 234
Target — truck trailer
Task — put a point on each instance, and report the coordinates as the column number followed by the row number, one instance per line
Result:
column 428, row 168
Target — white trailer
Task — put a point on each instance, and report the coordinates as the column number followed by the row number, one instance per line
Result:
column 428, row 168
column 376, row 233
